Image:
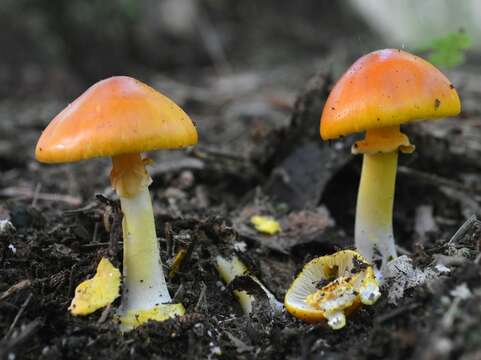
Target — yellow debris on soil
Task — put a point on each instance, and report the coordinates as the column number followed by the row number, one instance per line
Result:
column 266, row 224
column 97, row 292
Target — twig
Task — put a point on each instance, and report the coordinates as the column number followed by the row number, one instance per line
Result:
column 177, row 263
column 96, row 231
column 183, row 256
column 17, row 317
column 115, row 232
column 35, row 194
column 28, row 193
column 83, row 209
column 99, row 244
column 105, row 314
column 55, row 228
column 403, row 251
column 210, row 152
column 70, row 281
column 178, row 294
column 203, row 289
column 14, row 288
column 463, row 229
column 169, row 238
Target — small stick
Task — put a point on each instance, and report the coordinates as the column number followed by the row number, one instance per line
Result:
column 115, row 232
column 169, row 239
column 403, row 251
column 105, row 314
column 35, row 194
column 190, row 248
column 27, row 193
column 14, row 288
column 83, row 209
column 17, row 317
column 100, row 244
column 178, row 294
column 464, row 229
column 96, row 230
column 70, row 281
column 201, row 296
column 116, row 226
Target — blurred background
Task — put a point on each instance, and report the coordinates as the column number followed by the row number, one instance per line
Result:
column 59, row 46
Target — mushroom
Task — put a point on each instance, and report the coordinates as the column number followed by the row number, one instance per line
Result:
column 121, row 117
column 329, row 287
column 378, row 93
column 231, row 267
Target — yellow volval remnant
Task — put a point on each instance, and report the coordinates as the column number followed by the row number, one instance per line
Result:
column 135, row 318
column 97, row 292
column 265, row 224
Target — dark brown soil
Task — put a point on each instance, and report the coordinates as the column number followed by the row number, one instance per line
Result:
column 259, row 153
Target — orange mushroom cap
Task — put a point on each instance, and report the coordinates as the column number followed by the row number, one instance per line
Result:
column 118, row 115
column 387, row 88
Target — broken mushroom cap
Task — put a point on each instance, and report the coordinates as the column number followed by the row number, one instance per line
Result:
column 118, row 115
column 329, row 287
column 229, row 269
column 387, row 88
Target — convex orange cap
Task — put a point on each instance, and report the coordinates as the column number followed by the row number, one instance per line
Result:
column 119, row 115
column 386, row 88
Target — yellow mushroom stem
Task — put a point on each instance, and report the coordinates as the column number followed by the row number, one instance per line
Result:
column 144, row 286
column 373, row 229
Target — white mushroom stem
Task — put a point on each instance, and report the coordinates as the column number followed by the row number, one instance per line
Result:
column 144, row 285
column 144, row 281
column 373, row 230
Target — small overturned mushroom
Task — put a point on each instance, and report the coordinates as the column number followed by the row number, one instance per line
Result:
column 329, row 287
column 378, row 93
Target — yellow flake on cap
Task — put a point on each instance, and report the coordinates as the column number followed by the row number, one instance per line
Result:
column 97, row 292
column 266, row 224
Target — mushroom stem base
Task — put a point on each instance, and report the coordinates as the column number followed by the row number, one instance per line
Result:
column 373, row 230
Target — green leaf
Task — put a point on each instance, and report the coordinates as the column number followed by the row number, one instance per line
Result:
column 449, row 51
